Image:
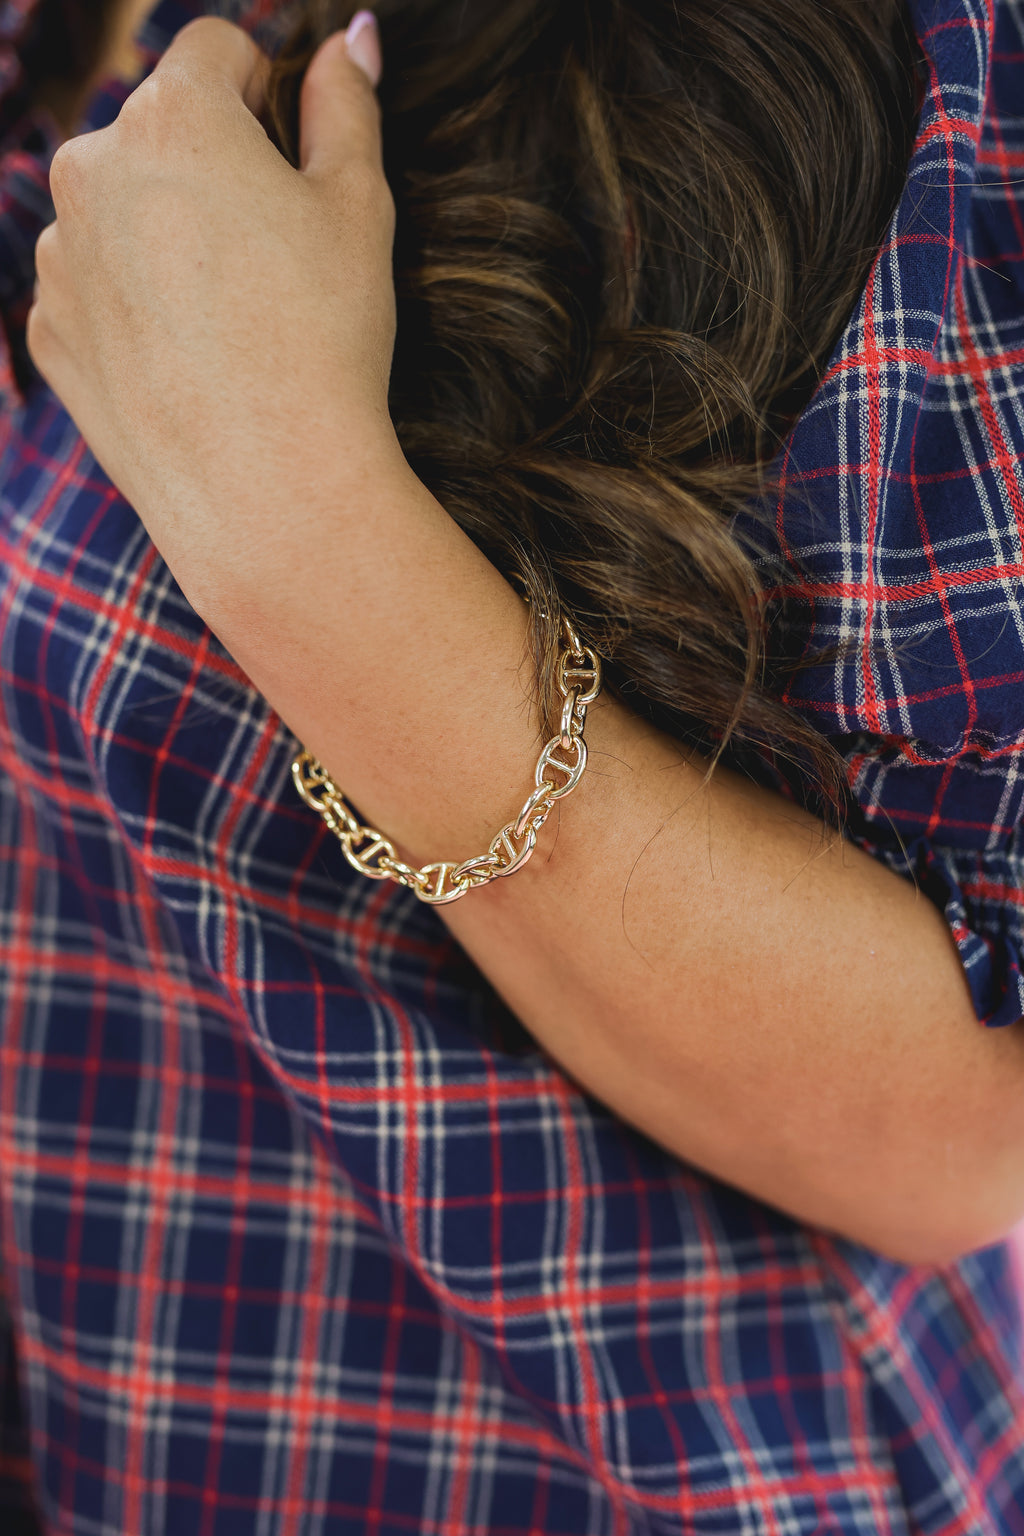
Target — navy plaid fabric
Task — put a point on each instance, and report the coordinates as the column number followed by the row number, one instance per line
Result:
column 300, row 1236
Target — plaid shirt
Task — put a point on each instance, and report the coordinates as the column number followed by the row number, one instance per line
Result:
column 299, row 1237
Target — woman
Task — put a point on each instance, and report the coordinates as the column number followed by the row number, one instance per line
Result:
column 431, row 1282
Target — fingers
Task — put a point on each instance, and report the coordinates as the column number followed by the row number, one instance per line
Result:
column 211, row 47
column 45, row 346
column 340, row 117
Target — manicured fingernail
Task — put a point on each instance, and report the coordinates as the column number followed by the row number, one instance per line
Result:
column 362, row 42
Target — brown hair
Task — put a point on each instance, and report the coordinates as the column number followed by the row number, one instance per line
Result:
column 629, row 234
column 60, row 45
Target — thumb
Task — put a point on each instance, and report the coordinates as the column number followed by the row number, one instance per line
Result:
column 338, row 111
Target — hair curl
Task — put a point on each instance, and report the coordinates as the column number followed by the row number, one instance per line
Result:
column 629, row 235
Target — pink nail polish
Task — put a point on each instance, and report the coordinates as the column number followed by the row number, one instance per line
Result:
column 362, row 42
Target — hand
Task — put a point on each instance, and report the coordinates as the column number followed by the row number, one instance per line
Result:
column 219, row 324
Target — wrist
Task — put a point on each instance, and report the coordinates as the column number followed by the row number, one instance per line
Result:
column 313, row 535
column 398, row 657
column 559, row 769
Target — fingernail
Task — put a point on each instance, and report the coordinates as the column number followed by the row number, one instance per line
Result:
column 362, row 43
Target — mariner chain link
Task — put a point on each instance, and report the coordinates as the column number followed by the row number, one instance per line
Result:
column 559, row 769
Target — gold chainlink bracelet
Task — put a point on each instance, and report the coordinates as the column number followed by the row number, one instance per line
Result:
column 564, row 757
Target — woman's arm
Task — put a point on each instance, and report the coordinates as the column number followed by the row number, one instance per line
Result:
column 775, row 1007
column 760, row 997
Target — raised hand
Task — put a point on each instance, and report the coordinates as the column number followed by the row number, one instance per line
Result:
column 219, row 324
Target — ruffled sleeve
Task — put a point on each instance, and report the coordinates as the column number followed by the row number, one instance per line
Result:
column 980, row 892
column 982, row 897
column 901, row 514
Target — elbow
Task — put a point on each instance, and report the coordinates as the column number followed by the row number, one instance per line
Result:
column 934, row 1246
column 943, row 1174
column 941, row 1218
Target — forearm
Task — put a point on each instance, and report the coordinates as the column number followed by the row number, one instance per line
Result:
column 759, row 997
column 782, row 1011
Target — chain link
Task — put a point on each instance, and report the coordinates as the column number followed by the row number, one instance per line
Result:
column 559, row 769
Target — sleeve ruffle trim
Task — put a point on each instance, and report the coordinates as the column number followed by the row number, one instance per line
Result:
column 981, row 896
